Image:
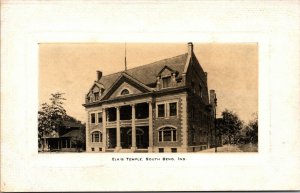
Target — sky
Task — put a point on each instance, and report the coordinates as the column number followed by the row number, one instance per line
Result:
column 71, row 69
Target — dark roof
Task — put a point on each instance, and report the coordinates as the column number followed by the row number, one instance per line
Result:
column 146, row 74
column 73, row 133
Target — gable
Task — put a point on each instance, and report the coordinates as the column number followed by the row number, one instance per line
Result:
column 125, row 85
column 166, row 71
column 125, row 82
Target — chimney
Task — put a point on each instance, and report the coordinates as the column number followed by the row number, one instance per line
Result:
column 213, row 100
column 190, row 48
column 99, row 75
column 212, row 96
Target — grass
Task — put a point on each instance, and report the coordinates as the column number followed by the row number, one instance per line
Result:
column 233, row 148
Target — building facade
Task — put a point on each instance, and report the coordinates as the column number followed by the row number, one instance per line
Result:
column 65, row 139
column 159, row 107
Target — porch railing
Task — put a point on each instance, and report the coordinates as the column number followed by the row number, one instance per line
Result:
column 128, row 123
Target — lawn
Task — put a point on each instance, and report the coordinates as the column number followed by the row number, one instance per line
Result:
column 233, row 148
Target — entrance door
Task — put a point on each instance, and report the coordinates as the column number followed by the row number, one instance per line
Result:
column 142, row 140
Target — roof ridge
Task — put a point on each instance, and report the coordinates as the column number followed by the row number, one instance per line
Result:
column 145, row 65
column 157, row 61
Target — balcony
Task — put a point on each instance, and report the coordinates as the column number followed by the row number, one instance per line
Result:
column 111, row 124
column 142, row 122
column 128, row 123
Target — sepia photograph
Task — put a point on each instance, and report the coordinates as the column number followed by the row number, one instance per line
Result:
column 149, row 95
column 148, row 98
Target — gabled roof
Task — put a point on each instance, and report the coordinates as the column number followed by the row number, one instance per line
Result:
column 146, row 74
column 167, row 67
column 123, row 77
column 73, row 133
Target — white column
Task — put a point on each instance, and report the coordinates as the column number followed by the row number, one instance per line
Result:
column 118, row 129
column 133, row 131
column 104, row 129
column 150, row 148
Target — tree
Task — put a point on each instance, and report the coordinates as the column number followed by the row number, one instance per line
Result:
column 252, row 129
column 230, row 125
column 50, row 117
column 79, row 140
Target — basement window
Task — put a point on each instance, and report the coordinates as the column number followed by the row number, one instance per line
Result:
column 161, row 150
column 173, row 150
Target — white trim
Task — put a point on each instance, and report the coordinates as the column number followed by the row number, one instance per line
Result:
column 172, row 133
column 97, row 117
column 125, row 87
column 167, row 126
column 167, row 108
column 90, row 117
column 176, row 109
column 95, row 130
column 100, row 137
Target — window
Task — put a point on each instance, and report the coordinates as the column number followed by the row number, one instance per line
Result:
column 161, row 110
column 200, row 91
column 100, row 117
column 96, row 95
column 100, row 148
column 96, row 136
column 124, row 92
column 93, row 149
column 193, row 86
column 160, row 150
column 173, row 109
column 173, row 150
column 166, row 82
column 167, row 134
column 93, row 118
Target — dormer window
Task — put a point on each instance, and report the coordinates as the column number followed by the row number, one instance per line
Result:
column 96, row 96
column 125, row 92
column 166, row 82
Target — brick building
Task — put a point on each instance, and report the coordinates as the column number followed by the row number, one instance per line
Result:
column 159, row 107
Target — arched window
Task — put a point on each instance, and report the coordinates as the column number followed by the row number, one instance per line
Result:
column 124, row 92
column 167, row 134
column 96, row 136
